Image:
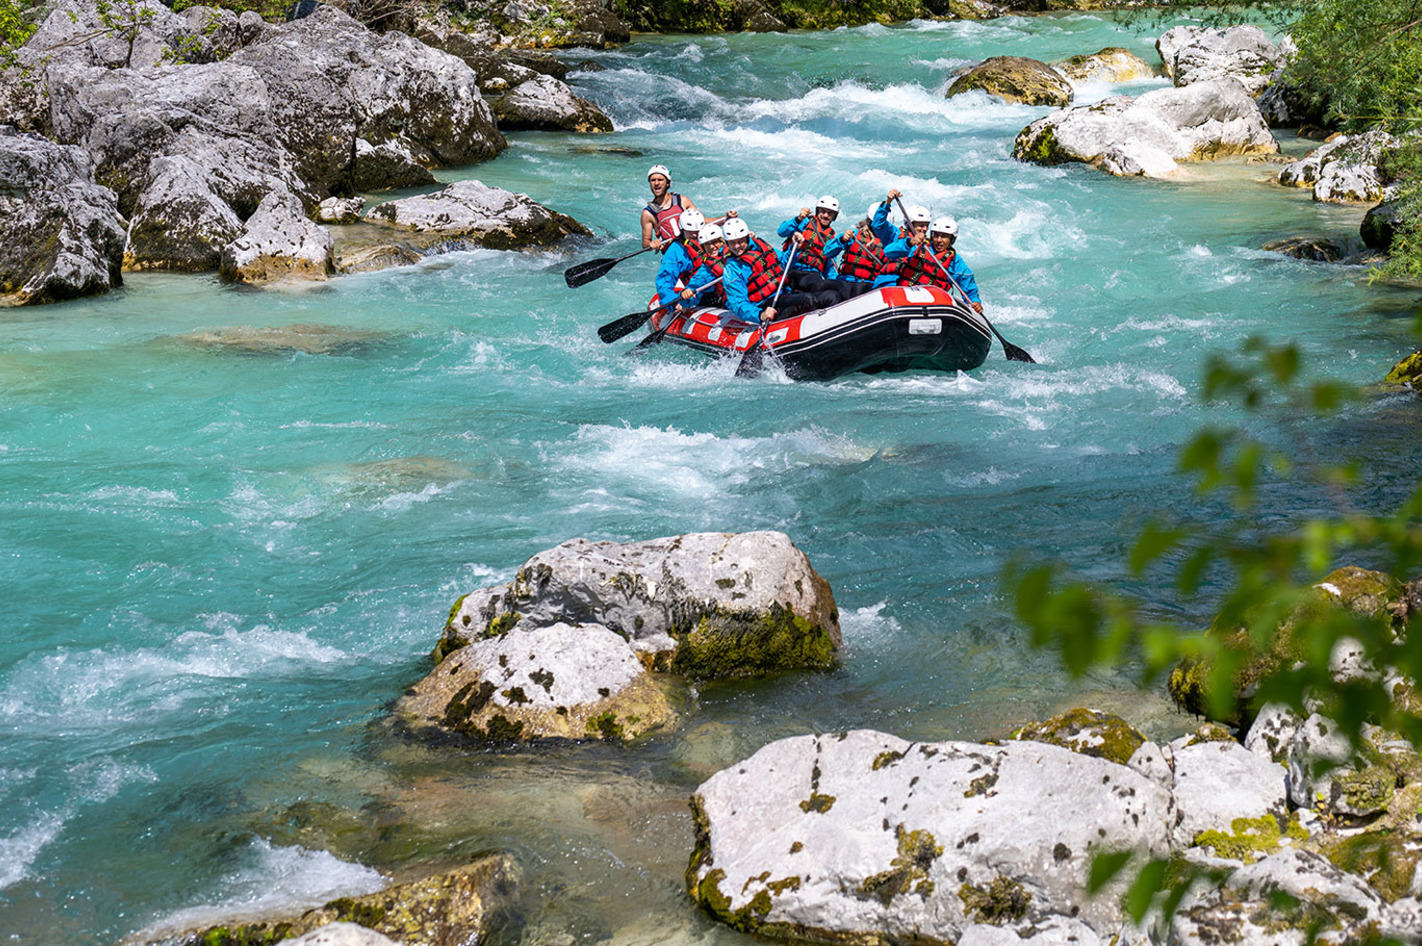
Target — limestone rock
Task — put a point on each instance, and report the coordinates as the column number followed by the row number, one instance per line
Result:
column 388, row 165
column 465, row 905
column 341, row 210
column 705, row 604
column 62, row 236
column 1315, row 249
column 1200, row 121
column 1318, row 756
column 1343, row 170
column 73, row 33
column 278, row 243
column 543, row 103
column 1380, row 225
column 1408, row 371
column 371, row 259
column 486, row 215
column 1015, row 79
column 1112, row 64
column 306, row 338
column 1199, row 54
column 864, row 837
column 975, row 10
column 1241, row 911
column 1218, row 782
column 1090, row 732
column 534, row 683
column 340, row 934
column 1272, row 734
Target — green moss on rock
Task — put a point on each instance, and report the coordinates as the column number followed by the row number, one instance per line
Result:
column 1408, row 371
column 1088, row 732
column 1387, row 859
column 1000, row 902
column 907, row 872
column 728, row 643
column 1251, row 838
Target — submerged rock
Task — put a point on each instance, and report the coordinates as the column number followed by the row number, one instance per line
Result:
column 707, row 605
column 864, row 837
column 282, row 339
column 1112, row 64
column 484, row 215
column 465, row 905
column 278, row 243
column 1015, row 79
column 1200, row 54
column 1408, row 371
column 1316, row 249
column 1147, row 135
column 63, row 236
column 341, row 934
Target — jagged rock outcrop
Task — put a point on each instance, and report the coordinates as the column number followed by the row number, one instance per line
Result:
column 469, row 904
column 1315, row 249
column 567, row 649
column 341, row 210
column 542, row 103
column 1112, row 64
column 278, row 243
column 483, row 215
column 1149, row 134
column 1015, row 79
column 61, row 235
column 1345, row 170
column 1201, row 54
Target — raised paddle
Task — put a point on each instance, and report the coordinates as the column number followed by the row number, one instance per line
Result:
column 754, row 358
column 584, row 273
column 1012, row 352
column 655, row 338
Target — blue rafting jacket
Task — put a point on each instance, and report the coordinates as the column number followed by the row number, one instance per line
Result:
column 737, row 297
column 883, row 229
column 832, row 249
column 676, row 264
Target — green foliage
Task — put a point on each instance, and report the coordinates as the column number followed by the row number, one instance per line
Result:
column 1363, row 60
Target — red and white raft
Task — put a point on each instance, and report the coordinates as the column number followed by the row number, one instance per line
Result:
column 897, row 328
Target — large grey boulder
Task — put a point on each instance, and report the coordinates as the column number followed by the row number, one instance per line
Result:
column 278, row 243
column 864, row 837
column 543, row 103
column 530, row 683
column 484, row 215
column 1218, row 782
column 1247, row 909
column 1200, row 54
column 61, row 235
column 1015, row 79
column 148, row 35
column 1149, row 134
column 1345, row 170
column 332, row 81
column 707, row 604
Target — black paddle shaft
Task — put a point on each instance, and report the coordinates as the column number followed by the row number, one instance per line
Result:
column 583, row 273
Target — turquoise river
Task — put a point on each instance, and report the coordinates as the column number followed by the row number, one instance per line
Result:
column 220, row 567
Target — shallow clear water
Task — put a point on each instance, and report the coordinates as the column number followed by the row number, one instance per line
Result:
column 220, row 567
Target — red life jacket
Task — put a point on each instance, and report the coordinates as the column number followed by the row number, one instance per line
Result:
column 715, row 295
column 765, row 272
column 667, row 222
column 812, row 250
column 919, row 269
column 862, row 260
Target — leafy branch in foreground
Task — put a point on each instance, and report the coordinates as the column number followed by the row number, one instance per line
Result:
column 1292, row 629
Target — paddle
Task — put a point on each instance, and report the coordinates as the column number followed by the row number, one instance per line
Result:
column 655, row 338
column 584, row 273
column 1012, row 352
column 754, row 359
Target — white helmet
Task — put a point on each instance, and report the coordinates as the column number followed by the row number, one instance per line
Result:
column 659, row 169
column 919, row 214
column 691, row 220
column 736, row 229
column 827, row 203
column 945, row 225
column 709, row 234
column 873, row 209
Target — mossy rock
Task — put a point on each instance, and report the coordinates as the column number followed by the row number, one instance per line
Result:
column 725, row 644
column 1000, row 902
column 1386, row 859
column 1366, row 593
column 1037, row 144
column 1015, row 79
column 1088, row 732
column 1250, row 839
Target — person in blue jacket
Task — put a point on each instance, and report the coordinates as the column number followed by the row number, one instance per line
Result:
column 753, row 286
column 681, row 255
column 899, row 245
column 816, row 248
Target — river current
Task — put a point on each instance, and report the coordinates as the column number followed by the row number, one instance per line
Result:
column 221, row 565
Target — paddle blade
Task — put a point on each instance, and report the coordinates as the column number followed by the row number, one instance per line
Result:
column 752, row 362
column 654, row 338
column 584, row 273
column 1014, row 353
column 626, row 325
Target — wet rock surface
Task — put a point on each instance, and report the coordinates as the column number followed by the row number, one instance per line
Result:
column 1112, row 64
column 484, row 215
column 1149, row 134
column 278, row 243
column 1015, row 79
column 1316, row 249
column 63, row 236
column 1344, row 170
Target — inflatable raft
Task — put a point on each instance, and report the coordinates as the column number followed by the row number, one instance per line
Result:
column 897, row 328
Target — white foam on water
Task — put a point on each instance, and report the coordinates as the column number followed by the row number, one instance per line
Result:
column 19, row 850
column 1035, row 231
column 851, row 101
column 277, row 879
column 134, row 495
column 868, row 626
column 399, row 502
column 94, row 689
